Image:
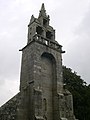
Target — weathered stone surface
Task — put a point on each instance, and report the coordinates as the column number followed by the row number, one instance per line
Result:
column 42, row 96
column 9, row 110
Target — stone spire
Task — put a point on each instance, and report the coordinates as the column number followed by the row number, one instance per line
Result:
column 32, row 19
column 42, row 11
column 42, row 7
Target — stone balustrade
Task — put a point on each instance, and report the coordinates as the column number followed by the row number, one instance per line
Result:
column 47, row 42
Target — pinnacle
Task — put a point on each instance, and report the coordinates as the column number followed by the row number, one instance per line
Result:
column 42, row 11
column 42, row 7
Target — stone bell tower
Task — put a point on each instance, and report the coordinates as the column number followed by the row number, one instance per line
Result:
column 41, row 83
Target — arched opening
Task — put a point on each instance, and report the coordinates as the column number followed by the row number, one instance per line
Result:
column 48, row 76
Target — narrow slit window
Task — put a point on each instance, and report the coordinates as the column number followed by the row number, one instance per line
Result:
column 45, row 104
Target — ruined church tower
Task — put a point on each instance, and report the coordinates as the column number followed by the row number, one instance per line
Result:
column 41, row 84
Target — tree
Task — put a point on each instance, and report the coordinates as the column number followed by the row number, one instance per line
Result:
column 80, row 91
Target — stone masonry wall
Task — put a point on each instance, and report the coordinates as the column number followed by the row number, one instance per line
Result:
column 9, row 110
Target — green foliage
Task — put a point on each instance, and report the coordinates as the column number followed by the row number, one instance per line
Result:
column 80, row 91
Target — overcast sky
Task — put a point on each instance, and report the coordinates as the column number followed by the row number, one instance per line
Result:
column 70, row 19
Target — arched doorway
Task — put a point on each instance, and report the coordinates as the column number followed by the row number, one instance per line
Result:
column 48, row 73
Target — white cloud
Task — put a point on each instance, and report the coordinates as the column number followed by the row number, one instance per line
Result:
column 9, row 89
column 69, row 18
column 78, row 49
